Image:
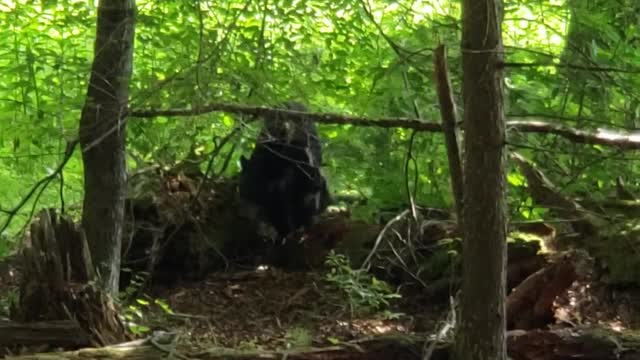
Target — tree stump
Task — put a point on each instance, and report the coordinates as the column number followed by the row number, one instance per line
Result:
column 57, row 281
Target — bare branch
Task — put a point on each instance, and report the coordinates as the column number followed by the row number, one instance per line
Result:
column 44, row 182
column 571, row 67
column 622, row 140
column 324, row 118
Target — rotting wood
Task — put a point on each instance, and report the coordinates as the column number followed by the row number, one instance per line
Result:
column 56, row 281
column 54, row 333
column 530, row 305
column 588, row 343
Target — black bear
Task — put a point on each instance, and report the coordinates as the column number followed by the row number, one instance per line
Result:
column 282, row 178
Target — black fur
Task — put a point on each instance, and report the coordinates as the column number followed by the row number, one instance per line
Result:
column 282, row 177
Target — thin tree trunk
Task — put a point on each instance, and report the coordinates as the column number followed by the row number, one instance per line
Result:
column 449, row 126
column 103, row 137
column 481, row 332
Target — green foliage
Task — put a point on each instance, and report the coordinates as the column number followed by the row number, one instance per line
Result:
column 444, row 261
column 364, row 292
column 340, row 56
column 134, row 313
column 135, row 286
column 135, row 306
column 249, row 345
column 133, row 316
column 611, row 253
column 298, row 337
column 7, row 300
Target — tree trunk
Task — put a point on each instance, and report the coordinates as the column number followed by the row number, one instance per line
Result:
column 449, row 126
column 481, row 332
column 103, row 137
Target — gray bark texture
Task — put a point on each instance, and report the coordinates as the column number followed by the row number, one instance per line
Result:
column 103, row 137
column 481, row 331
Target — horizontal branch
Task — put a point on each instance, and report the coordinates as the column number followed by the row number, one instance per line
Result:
column 571, row 67
column 324, row 118
column 622, row 140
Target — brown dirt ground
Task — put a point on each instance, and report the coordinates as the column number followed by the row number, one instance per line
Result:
column 272, row 309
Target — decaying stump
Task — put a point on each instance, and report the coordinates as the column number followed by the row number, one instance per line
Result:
column 530, row 305
column 56, row 281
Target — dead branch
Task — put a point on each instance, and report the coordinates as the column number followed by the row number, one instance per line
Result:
column 449, row 120
column 625, row 141
column 545, row 193
column 41, row 184
column 324, row 118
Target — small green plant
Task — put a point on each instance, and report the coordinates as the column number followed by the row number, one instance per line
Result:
column 365, row 293
column 134, row 313
column 135, row 303
column 133, row 316
column 249, row 345
column 136, row 285
column 298, row 337
column 9, row 298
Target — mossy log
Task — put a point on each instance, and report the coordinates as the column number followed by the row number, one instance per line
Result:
column 559, row 344
column 65, row 333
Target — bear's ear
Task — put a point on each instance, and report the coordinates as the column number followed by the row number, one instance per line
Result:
column 243, row 162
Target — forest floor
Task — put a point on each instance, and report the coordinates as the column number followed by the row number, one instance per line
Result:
column 271, row 309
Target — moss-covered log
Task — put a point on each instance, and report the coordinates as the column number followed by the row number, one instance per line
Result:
column 559, row 344
column 65, row 333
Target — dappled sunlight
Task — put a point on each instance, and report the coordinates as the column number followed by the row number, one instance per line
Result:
column 238, row 308
column 372, row 326
column 616, row 135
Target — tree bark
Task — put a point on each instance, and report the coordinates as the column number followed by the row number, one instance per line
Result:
column 481, row 331
column 103, row 137
column 449, row 121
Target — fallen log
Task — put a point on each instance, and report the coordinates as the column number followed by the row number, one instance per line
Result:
column 587, row 343
column 573, row 343
column 397, row 346
column 62, row 333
